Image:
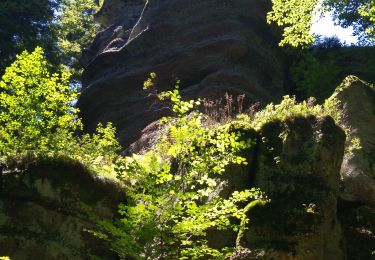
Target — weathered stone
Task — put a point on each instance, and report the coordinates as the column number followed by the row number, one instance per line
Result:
column 41, row 216
column 297, row 166
column 357, row 104
column 358, row 225
column 212, row 46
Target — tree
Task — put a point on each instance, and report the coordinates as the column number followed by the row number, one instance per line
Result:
column 357, row 13
column 75, row 28
column 38, row 119
column 296, row 16
column 24, row 24
column 35, row 106
column 63, row 28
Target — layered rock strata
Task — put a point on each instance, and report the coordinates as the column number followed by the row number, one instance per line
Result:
column 212, row 46
column 42, row 214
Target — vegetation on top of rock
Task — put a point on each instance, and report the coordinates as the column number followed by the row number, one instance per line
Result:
column 290, row 108
column 173, row 190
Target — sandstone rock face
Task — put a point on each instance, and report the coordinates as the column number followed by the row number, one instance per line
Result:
column 41, row 216
column 357, row 102
column 298, row 168
column 212, row 46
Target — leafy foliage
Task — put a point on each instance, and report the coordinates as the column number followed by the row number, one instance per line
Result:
column 37, row 117
column 315, row 78
column 34, row 105
column 173, row 190
column 357, row 13
column 295, row 16
column 317, row 71
column 24, row 25
column 62, row 27
column 75, row 29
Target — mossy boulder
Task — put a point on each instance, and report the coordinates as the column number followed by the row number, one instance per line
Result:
column 297, row 166
column 357, row 104
column 41, row 212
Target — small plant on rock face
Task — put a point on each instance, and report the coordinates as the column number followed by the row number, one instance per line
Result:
column 173, row 194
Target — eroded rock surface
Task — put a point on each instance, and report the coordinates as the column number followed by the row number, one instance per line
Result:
column 298, row 168
column 357, row 103
column 41, row 216
column 212, row 46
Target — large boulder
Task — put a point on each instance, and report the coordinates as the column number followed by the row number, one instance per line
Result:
column 298, row 167
column 42, row 214
column 357, row 104
column 212, row 46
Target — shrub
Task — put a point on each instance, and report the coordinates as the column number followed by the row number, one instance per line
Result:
column 37, row 117
column 173, row 190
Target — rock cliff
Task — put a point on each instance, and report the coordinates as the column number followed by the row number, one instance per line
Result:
column 320, row 208
column 212, row 46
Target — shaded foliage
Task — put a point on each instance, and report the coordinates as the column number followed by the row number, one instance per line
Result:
column 357, row 13
column 75, row 29
column 24, row 24
column 316, row 72
column 63, row 28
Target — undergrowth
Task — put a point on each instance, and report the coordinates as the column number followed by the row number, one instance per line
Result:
column 174, row 190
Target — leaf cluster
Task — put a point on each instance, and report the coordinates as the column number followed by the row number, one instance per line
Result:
column 296, row 18
column 75, row 30
column 24, row 25
column 37, row 117
column 173, row 190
